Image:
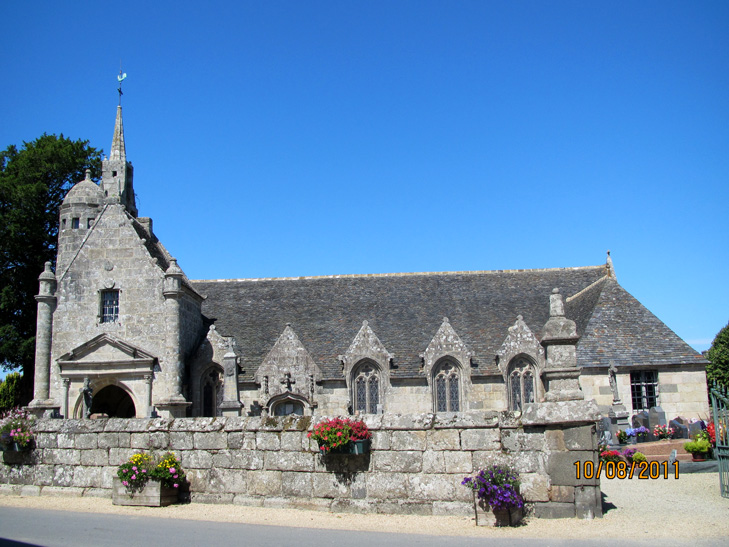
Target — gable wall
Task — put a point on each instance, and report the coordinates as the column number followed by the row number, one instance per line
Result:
column 113, row 256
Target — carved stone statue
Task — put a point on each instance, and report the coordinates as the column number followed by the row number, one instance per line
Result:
column 88, row 395
column 613, row 378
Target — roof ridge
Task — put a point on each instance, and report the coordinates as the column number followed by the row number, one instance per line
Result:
column 583, row 291
column 403, row 274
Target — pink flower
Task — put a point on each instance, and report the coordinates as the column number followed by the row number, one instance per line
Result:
column 134, row 477
column 134, row 467
column 174, row 477
column 172, row 470
column 125, row 483
column 144, row 470
column 175, row 485
column 126, row 470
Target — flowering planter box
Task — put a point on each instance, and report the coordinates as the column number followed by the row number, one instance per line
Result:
column 352, row 447
column 485, row 516
column 152, row 495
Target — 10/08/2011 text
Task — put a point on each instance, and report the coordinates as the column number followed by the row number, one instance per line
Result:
column 623, row 470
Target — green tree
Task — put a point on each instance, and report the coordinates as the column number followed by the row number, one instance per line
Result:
column 33, row 183
column 718, row 368
column 10, row 392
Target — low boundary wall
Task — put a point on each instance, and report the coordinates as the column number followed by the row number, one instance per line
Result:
column 416, row 464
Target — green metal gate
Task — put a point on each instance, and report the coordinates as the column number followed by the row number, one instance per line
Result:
column 720, row 403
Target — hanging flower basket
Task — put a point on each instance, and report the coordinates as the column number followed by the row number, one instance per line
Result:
column 341, row 436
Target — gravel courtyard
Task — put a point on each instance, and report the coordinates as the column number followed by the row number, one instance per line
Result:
column 687, row 508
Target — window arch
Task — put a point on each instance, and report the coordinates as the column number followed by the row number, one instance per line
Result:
column 366, row 388
column 447, row 387
column 521, row 383
column 288, row 407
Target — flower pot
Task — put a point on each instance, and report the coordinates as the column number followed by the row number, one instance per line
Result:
column 699, row 457
column 486, row 516
column 152, row 495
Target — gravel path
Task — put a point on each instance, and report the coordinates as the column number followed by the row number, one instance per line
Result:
column 688, row 508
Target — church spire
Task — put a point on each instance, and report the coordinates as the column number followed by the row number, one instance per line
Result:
column 117, row 173
column 118, row 149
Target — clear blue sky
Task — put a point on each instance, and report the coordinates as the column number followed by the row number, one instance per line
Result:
column 312, row 138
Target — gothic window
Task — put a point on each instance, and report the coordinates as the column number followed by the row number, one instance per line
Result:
column 521, row 384
column 644, row 389
column 212, row 392
column 109, row 306
column 366, row 387
column 447, row 388
column 287, row 407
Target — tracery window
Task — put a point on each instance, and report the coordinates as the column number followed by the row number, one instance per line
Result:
column 521, row 384
column 366, row 388
column 447, row 387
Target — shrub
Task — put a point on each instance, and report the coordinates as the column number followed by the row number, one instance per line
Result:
column 638, row 457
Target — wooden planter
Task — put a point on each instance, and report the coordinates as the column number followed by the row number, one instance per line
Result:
column 485, row 516
column 152, row 495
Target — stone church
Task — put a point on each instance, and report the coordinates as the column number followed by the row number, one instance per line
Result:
column 123, row 332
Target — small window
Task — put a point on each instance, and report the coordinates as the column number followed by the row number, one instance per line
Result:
column 89, row 222
column 288, row 408
column 113, row 173
column 644, row 389
column 63, row 224
column 447, row 388
column 110, row 306
column 75, row 223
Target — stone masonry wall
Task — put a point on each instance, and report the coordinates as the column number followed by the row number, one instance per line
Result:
column 416, row 464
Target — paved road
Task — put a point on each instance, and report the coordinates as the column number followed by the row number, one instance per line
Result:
column 23, row 527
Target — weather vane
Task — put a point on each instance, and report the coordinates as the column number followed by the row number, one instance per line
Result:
column 120, row 78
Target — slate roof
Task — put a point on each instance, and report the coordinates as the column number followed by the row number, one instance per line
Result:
column 622, row 330
column 406, row 310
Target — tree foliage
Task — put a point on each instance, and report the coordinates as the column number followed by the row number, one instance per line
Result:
column 718, row 368
column 10, row 392
column 33, row 183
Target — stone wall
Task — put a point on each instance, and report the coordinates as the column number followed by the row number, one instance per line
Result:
column 416, row 464
column 681, row 390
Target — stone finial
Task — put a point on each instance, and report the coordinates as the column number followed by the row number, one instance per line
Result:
column 609, row 266
column 47, row 274
column 88, row 175
column 556, row 304
column 173, row 268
